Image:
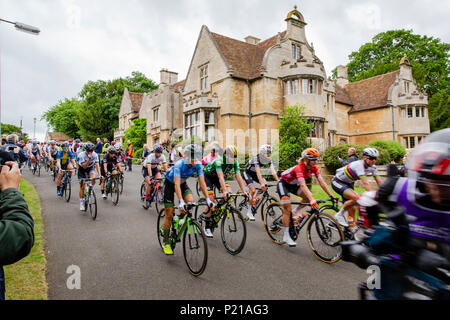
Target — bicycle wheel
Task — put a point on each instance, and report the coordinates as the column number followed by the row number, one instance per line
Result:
column 67, row 190
column 159, row 199
column 324, row 236
column 121, row 184
column 273, row 222
column 39, row 170
column 92, row 205
column 142, row 196
column 114, row 191
column 159, row 223
column 268, row 201
column 233, row 231
column 195, row 248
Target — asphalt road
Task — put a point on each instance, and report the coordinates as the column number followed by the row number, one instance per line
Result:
column 119, row 257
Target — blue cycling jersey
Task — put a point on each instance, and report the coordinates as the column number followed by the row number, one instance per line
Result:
column 183, row 171
column 65, row 156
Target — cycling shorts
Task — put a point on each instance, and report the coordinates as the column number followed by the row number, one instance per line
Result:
column 169, row 193
column 340, row 187
column 145, row 174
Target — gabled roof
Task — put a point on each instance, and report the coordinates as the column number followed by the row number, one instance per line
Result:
column 136, row 101
column 179, row 85
column 367, row 94
column 59, row 136
column 245, row 58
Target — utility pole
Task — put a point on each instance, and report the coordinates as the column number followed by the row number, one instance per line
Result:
column 34, row 130
column 20, row 128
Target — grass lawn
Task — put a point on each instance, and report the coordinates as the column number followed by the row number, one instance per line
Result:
column 25, row 280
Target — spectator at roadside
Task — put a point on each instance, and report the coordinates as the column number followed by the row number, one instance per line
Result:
column 129, row 153
column 351, row 157
column 16, row 223
column 98, row 146
column 145, row 152
column 3, row 139
column 403, row 171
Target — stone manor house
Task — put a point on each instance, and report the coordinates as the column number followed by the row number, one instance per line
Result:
column 245, row 85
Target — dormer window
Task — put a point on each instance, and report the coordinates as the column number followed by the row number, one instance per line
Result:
column 296, row 51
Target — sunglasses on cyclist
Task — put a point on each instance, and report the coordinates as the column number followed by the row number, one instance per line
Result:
column 373, row 158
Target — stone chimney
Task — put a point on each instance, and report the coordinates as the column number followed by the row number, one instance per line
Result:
column 168, row 77
column 342, row 76
column 252, row 40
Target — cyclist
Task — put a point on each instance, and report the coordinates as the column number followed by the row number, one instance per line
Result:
column 344, row 181
column 65, row 160
column 76, row 145
column 252, row 173
column 297, row 180
column 151, row 168
column 88, row 163
column 35, row 153
column 215, row 177
column 110, row 164
column 176, row 183
column 52, row 152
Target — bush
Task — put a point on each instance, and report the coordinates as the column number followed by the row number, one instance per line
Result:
column 330, row 157
column 395, row 149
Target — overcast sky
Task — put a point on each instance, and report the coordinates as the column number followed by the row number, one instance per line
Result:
column 84, row 40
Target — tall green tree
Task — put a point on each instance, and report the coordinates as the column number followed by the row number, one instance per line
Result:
column 10, row 128
column 62, row 117
column 294, row 130
column 137, row 133
column 429, row 58
column 94, row 112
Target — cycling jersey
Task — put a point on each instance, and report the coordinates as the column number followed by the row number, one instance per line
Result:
column 220, row 164
column 295, row 174
column 183, row 171
column 53, row 151
column 355, row 171
column 429, row 223
column 83, row 157
column 110, row 160
column 35, row 149
column 209, row 158
column 258, row 161
column 65, row 156
column 153, row 161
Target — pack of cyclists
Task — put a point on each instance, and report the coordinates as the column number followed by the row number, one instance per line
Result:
column 425, row 194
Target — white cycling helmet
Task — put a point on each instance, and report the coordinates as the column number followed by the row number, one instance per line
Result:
column 192, row 151
column 265, row 149
column 371, row 152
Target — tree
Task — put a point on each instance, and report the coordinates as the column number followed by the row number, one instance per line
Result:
column 294, row 131
column 429, row 58
column 62, row 117
column 439, row 110
column 10, row 128
column 95, row 111
column 395, row 149
column 137, row 133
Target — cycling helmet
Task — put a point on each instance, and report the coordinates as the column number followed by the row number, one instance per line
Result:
column 311, row 154
column 431, row 159
column 65, row 145
column 111, row 149
column 117, row 147
column 77, row 140
column 158, row 150
column 231, row 151
column 34, row 142
column 265, row 149
column 371, row 152
column 192, row 151
column 89, row 147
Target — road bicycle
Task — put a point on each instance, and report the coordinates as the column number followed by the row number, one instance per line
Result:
column 195, row 247
column 66, row 185
column 112, row 186
column 36, row 167
column 242, row 201
column 233, row 230
column 89, row 197
column 322, row 230
column 199, row 190
column 45, row 161
column 156, row 195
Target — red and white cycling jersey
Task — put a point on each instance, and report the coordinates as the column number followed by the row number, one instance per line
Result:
column 299, row 172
